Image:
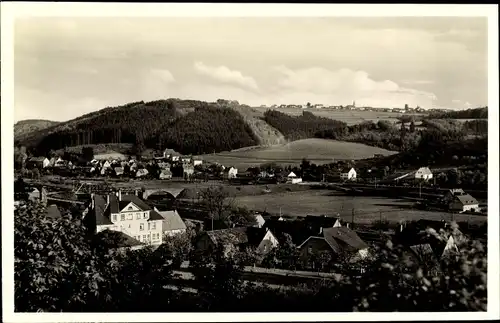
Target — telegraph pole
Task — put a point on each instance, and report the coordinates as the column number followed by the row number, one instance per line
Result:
column 380, row 223
column 352, row 219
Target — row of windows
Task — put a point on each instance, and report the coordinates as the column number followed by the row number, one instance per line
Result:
column 130, row 216
column 146, row 237
column 151, row 226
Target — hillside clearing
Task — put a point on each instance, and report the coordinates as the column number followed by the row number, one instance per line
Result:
column 319, row 151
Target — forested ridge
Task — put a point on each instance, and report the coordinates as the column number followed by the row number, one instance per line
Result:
column 478, row 113
column 190, row 127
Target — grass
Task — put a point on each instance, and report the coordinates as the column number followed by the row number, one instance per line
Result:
column 319, row 151
column 347, row 116
column 326, row 202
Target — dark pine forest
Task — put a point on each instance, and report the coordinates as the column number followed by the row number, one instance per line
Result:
column 190, row 127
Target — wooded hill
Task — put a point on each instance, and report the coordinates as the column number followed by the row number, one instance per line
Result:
column 478, row 113
column 187, row 126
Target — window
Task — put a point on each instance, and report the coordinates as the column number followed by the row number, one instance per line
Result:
column 114, row 217
column 129, row 226
column 138, row 216
column 145, row 214
column 130, row 208
column 130, row 216
column 154, row 225
column 149, row 226
column 144, row 237
column 123, row 217
column 141, row 227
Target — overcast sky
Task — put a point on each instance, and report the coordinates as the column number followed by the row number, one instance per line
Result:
column 68, row 67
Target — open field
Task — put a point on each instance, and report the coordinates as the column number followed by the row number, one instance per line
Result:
column 327, row 202
column 348, row 116
column 319, row 151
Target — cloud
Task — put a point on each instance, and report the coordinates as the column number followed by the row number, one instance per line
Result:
column 418, row 82
column 164, row 75
column 345, row 85
column 225, row 75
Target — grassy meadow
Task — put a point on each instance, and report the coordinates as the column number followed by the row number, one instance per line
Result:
column 327, row 202
column 320, row 151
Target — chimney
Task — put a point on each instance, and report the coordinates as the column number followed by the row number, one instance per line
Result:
column 119, row 195
column 320, row 230
column 136, row 192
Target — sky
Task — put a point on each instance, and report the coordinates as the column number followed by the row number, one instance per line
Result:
column 66, row 67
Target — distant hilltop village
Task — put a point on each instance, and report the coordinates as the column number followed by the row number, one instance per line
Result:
column 406, row 109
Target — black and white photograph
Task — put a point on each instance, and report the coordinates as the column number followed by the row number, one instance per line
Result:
column 211, row 158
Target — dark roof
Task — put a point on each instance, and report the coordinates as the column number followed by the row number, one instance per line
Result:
column 53, row 212
column 115, row 206
column 121, row 239
column 99, row 210
column 37, row 159
column 425, row 253
column 244, row 235
column 466, row 199
column 228, row 236
column 343, row 237
column 299, row 231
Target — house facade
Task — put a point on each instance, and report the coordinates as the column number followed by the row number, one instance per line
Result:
column 293, row 179
column 230, row 173
column 187, row 171
column 423, row 173
column 348, row 174
column 127, row 214
column 165, row 174
column 37, row 162
column 463, row 203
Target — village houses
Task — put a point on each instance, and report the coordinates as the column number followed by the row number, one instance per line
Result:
column 237, row 239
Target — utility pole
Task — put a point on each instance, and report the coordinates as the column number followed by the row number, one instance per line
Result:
column 420, row 189
column 380, row 222
column 352, row 219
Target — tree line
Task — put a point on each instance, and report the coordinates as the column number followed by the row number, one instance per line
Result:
column 477, row 113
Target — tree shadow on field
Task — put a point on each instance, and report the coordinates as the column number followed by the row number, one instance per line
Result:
column 400, row 206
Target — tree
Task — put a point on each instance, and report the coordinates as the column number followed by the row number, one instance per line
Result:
column 412, row 126
column 88, row 153
column 57, row 269
column 35, row 173
column 217, row 202
column 178, row 247
column 218, row 279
